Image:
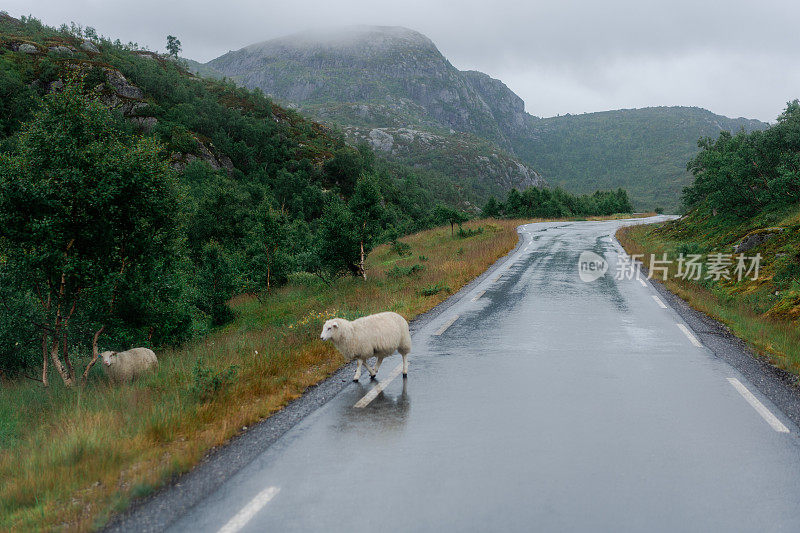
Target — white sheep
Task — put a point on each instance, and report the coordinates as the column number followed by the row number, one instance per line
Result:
column 378, row 335
column 128, row 365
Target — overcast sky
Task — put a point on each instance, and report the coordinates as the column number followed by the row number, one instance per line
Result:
column 736, row 58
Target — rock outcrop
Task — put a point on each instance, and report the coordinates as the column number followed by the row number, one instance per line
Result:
column 755, row 238
column 459, row 153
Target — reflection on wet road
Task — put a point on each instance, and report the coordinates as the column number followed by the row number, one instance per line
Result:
column 547, row 404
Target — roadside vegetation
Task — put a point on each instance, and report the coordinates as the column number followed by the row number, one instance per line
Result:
column 745, row 200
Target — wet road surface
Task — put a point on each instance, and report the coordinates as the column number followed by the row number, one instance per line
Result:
column 536, row 402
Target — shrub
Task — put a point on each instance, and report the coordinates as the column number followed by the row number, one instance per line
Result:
column 469, row 232
column 434, row 289
column 787, row 270
column 305, row 279
column 401, row 248
column 399, row 271
column 206, row 383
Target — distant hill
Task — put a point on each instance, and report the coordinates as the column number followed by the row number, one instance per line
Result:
column 643, row 150
column 386, row 84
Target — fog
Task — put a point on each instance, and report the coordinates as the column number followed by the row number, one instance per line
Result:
column 733, row 58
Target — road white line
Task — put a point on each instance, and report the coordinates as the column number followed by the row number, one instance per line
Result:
column 373, row 393
column 689, row 334
column 446, row 325
column 765, row 413
column 643, row 282
column 661, row 304
column 475, row 298
column 249, row 511
column 497, row 277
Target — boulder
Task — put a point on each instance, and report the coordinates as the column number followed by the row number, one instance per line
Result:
column 89, row 46
column 144, row 124
column 755, row 238
column 204, row 152
column 26, row 48
column 122, row 87
column 62, row 51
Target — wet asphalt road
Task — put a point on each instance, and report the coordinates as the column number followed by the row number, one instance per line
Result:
column 549, row 404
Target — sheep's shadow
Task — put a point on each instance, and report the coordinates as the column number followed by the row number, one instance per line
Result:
column 387, row 413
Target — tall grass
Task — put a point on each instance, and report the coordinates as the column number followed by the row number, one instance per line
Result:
column 69, row 458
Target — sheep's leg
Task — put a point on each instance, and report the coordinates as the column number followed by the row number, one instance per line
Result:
column 358, row 371
column 371, row 371
column 377, row 366
column 405, row 365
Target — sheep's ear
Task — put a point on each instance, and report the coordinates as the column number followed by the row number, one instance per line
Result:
column 334, row 325
column 113, row 354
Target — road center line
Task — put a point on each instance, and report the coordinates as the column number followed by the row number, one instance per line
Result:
column 661, row 304
column 760, row 408
column 446, row 325
column 250, row 510
column 690, row 336
column 373, row 393
column 475, row 298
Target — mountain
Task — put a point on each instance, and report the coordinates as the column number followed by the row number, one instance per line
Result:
column 391, row 85
column 642, row 150
column 393, row 66
column 386, row 81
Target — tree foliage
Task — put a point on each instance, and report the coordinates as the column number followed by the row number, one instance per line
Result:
column 743, row 174
column 537, row 202
column 368, row 216
column 87, row 214
column 443, row 214
column 173, row 45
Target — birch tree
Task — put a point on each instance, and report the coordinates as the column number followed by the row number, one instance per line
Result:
column 83, row 208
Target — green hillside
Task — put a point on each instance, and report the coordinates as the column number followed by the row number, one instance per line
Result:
column 642, row 150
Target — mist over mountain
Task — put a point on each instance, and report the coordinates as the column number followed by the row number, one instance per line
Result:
column 391, row 87
column 396, row 67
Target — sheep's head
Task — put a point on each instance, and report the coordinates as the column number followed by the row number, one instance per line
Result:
column 108, row 357
column 330, row 329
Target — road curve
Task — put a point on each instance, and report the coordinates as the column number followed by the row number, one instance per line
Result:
column 536, row 401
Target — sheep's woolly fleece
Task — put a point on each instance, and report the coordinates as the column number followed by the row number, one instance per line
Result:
column 128, row 365
column 378, row 335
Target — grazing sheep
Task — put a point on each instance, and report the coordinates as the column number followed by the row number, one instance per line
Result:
column 378, row 335
column 128, row 365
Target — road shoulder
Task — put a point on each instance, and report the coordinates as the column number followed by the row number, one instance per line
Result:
column 779, row 386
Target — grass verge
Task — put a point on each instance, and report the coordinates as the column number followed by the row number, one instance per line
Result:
column 763, row 312
column 70, row 458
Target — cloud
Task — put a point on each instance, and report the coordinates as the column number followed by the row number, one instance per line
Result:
column 735, row 58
